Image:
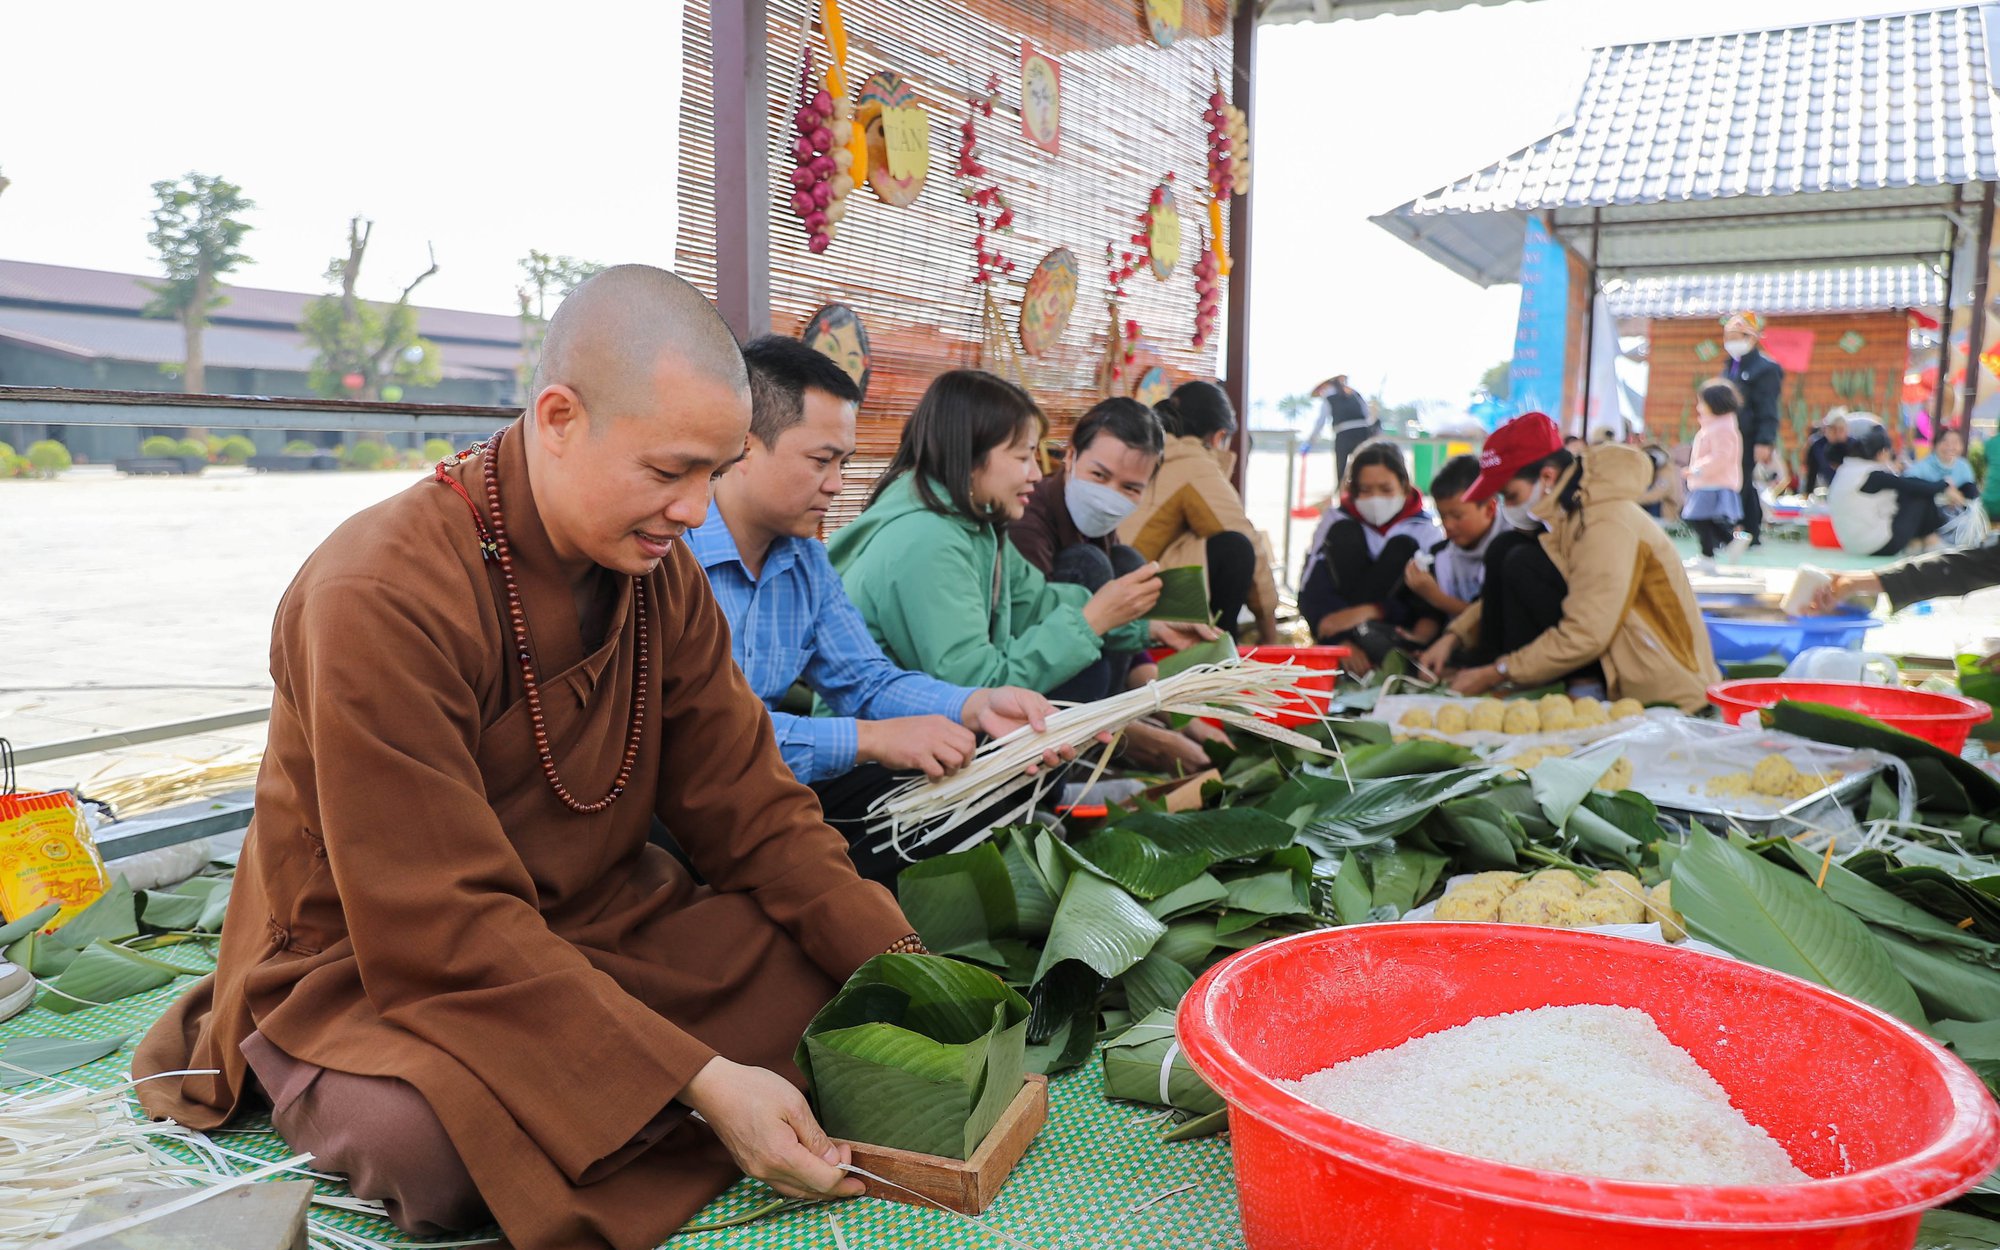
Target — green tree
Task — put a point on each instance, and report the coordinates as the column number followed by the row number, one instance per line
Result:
column 198, row 231
column 1496, row 381
column 1292, row 407
column 357, row 340
column 545, row 274
column 48, row 458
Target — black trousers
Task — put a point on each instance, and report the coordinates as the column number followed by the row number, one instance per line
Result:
column 1232, row 567
column 1713, row 534
column 1917, row 516
column 1753, row 503
column 1346, row 441
column 1345, row 576
column 1087, row 565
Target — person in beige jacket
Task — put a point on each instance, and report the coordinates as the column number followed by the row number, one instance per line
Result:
column 1192, row 514
column 1628, row 607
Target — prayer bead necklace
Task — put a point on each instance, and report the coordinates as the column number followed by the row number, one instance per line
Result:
column 494, row 546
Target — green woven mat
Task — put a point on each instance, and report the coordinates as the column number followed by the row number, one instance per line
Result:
column 1076, row 1189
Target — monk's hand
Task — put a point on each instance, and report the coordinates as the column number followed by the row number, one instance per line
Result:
column 1123, row 600
column 1003, row 709
column 935, row 746
column 766, row 1126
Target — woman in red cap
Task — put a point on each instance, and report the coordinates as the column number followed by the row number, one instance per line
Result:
column 1600, row 598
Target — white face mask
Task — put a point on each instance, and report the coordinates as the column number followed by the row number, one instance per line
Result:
column 1096, row 508
column 1522, row 516
column 1378, row 510
column 1738, row 348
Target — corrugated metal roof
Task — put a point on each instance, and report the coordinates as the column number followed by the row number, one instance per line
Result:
column 1904, row 100
column 1776, row 293
column 1282, row 12
column 1833, row 144
column 26, row 281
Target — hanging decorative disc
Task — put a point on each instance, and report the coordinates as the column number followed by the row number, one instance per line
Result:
column 1152, row 386
column 899, row 137
column 1048, row 301
column 836, row 332
column 1163, row 21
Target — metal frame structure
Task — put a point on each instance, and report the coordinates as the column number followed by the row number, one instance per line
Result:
column 55, row 405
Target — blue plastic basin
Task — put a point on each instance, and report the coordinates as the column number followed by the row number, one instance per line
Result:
column 1738, row 640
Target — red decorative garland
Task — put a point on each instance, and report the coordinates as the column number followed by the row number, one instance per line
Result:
column 989, row 205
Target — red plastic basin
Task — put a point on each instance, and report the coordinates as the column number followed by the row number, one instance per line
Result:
column 1305, row 709
column 1819, row 532
column 1886, row 1121
column 1943, row 719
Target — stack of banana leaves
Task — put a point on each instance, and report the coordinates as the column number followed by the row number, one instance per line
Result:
column 1104, row 927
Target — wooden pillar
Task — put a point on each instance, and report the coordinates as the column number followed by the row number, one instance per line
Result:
column 742, row 167
column 1943, row 386
column 1236, row 366
column 1975, row 338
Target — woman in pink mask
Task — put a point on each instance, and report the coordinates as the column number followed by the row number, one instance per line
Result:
column 1352, row 590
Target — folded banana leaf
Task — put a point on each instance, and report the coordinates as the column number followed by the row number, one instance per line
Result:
column 1183, row 595
column 916, row 1052
column 101, row 974
column 113, row 917
column 1136, row 1061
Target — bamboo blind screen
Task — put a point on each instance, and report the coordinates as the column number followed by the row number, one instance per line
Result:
column 1131, row 113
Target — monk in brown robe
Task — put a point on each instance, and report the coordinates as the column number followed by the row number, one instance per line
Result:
column 454, row 966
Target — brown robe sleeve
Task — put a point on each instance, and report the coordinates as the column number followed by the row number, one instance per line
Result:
column 737, row 810
column 440, row 908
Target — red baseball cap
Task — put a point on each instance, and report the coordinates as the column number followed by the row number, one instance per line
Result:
column 1528, row 438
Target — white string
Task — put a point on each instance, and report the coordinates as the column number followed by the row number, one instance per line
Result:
column 1167, row 1070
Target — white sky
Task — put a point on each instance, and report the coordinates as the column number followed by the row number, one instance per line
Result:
column 494, row 129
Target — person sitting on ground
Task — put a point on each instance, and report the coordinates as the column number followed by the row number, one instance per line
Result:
column 1192, row 512
column 1947, row 462
column 1352, row 591
column 1069, row 533
column 454, row 966
column 1821, row 458
column 1715, row 469
column 1877, row 511
column 928, row 564
column 1625, row 621
column 790, row 619
column 1451, row 580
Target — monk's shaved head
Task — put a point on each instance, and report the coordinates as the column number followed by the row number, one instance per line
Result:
column 608, row 337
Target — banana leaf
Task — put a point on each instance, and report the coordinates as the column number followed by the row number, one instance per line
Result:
column 195, row 905
column 1062, row 1020
column 1380, row 810
column 1949, row 987
column 959, row 901
column 1214, row 651
column 113, row 917
column 25, row 1059
column 1299, row 800
column 1223, row 834
column 1351, row 891
column 1978, row 1044
column 1100, row 925
column 1189, row 942
column 1034, row 901
column 30, row 923
column 1155, row 983
column 1399, row 878
column 1775, row 917
column 916, row 1052
column 1133, row 1062
column 1957, row 1230
column 1138, row 863
column 1485, row 834
column 1278, row 887
column 102, row 974
column 1945, row 782
column 1183, row 596
column 1199, row 894
column 1413, row 758
column 1876, row 905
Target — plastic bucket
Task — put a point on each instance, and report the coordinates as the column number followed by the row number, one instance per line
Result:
column 1734, row 639
column 1885, row 1121
column 1945, row 720
column 1819, row 532
column 1303, row 709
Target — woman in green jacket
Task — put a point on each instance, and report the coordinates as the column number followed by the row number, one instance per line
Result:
column 929, row 565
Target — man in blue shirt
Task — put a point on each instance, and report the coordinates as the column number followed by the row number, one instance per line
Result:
column 790, row 620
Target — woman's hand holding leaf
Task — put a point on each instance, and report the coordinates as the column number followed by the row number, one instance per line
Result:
column 766, row 1126
column 1180, row 635
column 1123, row 600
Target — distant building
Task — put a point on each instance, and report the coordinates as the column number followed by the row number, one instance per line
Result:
column 84, row 328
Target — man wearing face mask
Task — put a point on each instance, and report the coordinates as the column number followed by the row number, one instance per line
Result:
column 1069, row 532
column 1191, row 512
column 1762, row 381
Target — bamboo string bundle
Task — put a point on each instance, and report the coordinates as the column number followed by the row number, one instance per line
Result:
column 1239, row 693
column 130, row 795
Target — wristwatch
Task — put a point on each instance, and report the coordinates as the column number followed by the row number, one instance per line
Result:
column 1500, row 667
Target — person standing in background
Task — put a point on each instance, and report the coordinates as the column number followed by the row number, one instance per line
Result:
column 1762, row 381
column 1344, row 415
